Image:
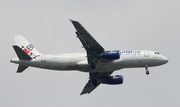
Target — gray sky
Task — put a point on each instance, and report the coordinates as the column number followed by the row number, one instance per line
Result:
column 121, row 24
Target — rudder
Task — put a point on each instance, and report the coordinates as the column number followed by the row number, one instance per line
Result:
column 21, row 54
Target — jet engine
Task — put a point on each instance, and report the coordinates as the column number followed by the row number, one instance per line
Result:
column 113, row 80
column 114, row 54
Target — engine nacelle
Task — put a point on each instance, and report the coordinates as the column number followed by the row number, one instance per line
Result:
column 113, row 80
column 114, row 54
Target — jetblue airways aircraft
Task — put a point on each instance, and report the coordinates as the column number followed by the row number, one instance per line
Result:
column 97, row 61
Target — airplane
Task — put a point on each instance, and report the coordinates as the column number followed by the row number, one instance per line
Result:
column 97, row 61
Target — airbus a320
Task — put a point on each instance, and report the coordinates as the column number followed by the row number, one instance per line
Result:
column 96, row 61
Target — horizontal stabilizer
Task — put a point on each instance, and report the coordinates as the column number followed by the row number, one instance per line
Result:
column 21, row 54
column 21, row 68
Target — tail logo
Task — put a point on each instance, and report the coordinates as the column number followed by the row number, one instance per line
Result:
column 28, row 50
column 30, row 47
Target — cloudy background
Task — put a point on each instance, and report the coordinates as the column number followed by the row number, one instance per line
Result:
column 117, row 24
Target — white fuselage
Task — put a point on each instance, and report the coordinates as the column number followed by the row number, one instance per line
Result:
column 78, row 61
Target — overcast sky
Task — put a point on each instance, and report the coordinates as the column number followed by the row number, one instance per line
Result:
column 117, row 24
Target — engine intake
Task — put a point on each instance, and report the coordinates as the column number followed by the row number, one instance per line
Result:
column 113, row 80
column 114, row 54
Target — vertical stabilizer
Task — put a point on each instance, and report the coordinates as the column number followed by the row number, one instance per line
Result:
column 25, row 45
column 21, row 54
column 24, row 51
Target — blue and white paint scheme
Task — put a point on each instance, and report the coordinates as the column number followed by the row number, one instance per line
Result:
column 97, row 61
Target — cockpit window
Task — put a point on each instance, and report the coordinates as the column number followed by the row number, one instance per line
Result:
column 157, row 53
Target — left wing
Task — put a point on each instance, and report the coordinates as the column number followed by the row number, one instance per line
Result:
column 95, row 80
column 88, row 42
column 93, row 48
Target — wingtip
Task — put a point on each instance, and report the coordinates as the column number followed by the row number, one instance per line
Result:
column 82, row 93
column 71, row 20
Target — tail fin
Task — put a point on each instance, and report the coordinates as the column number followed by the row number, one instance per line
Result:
column 23, row 43
column 21, row 54
column 24, row 51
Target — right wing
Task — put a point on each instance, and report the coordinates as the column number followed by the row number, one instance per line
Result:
column 90, row 87
column 95, row 80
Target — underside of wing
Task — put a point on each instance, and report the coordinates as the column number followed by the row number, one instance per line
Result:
column 94, row 81
column 88, row 42
column 89, row 87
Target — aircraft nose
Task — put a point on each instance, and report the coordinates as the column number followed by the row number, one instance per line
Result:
column 165, row 59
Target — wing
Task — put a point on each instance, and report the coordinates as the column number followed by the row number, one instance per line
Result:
column 93, row 48
column 89, row 87
column 94, row 81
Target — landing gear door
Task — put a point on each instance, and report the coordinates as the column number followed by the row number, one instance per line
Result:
column 146, row 53
column 43, row 58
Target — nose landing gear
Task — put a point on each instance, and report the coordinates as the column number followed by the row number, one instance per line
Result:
column 147, row 71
